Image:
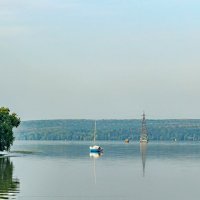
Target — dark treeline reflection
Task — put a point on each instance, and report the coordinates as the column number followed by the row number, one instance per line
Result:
column 9, row 186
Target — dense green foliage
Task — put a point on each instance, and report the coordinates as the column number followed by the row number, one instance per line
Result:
column 108, row 130
column 7, row 122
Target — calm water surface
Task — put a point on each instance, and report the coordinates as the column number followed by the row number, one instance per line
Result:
column 65, row 170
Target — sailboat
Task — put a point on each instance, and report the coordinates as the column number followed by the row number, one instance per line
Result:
column 95, row 148
column 143, row 135
column 126, row 140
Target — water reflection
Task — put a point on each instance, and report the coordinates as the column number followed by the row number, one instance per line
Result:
column 9, row 186
column 95, row 156
column 143, row 151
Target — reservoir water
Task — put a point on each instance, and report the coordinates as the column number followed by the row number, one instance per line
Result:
column 41, row 170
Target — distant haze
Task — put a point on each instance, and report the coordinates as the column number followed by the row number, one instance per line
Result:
column 100, row 59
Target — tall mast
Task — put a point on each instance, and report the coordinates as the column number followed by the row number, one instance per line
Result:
column 95, row 130
column 144, row 129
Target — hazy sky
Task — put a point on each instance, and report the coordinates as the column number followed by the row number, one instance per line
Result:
column 100, row 58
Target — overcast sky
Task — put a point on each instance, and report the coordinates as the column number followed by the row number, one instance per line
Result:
column 100, row 58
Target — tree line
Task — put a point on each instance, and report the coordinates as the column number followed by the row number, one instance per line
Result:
column 181, row 130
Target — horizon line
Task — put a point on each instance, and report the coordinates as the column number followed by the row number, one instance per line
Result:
column 101, row 119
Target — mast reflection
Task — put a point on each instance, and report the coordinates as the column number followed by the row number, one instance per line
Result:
column 143, row 151
column 95, row 156
column 9, row 186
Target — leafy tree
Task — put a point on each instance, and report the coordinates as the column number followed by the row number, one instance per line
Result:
column 7, row 122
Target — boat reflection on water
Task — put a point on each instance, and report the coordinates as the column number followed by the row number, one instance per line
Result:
column 9, row 186
column 95, row 156
column 143, row 151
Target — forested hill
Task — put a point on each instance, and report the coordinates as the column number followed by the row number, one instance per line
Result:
column 107, row 130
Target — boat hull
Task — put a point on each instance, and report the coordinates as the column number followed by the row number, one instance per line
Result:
column 3, row 153
column 126, row 140
column 96, row 149
column 143, row 141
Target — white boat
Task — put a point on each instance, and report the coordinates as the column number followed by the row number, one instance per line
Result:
column 144, row 140
column 143, row 135
column 126, row 141
column 3, row 153
column 95, row 148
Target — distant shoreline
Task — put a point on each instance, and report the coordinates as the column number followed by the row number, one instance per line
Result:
column 82, row 130
column 110, row 119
